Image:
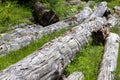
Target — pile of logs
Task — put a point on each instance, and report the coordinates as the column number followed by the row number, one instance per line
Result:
column 21, row 37
column 49, row 62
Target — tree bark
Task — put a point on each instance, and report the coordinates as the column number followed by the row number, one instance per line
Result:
column 117, row 10
column 21, row 37
column 99, row 11
column 76, row 76
column 112, row 21
column 109, row 62
column 48, row 63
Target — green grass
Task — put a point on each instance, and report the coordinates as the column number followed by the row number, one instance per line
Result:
column 15, row 56
column 113, row 3
column 115, row 29
column 63, row 11
column 117, row 72
column 86, row 61
column 11, row 14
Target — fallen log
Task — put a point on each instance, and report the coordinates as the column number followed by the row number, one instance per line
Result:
column 112, row 21
column 117, row 10
column 21, row 37
column 99, row 11
column 101, row 35
column 76, row 76
column 109, row 62
column 48, row 63
column 73, row 2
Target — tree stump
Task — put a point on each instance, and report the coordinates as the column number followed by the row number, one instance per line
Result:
column 44, row 16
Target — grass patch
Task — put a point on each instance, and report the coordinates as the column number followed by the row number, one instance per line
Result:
column 113, row 3
column 15, row 56
column 64, row 10
column 11, row 14
column 117, row 72
column 115, row 29
column 87, row 61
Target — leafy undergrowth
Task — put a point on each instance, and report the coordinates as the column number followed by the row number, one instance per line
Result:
column 87, row 61
column 64, row 10
column 15, row 56
column 11, row 14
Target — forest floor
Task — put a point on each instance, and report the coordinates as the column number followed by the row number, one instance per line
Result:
column 87, row 60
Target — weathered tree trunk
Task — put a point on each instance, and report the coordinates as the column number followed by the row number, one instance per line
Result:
column 112, row 21
column 109, row 62
column 117, row 10
column 21, row 37
column 76, row 76
column 99, row 11
column 44, row 16
column 49, row 62
column 73, row 2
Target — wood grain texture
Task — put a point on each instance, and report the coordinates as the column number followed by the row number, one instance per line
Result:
column 76, row 76
column 109, row 62
column 21, row 37
column 49, row 62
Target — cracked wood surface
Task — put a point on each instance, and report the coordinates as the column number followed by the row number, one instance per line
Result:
column 109, row 62
column 49, row 62
column 76, row 76
column 21, row 37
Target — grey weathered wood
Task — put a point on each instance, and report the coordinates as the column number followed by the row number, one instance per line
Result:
column 21, row 37
column 112, row 20
column 76, row 76
column 73, row 2
column 49, row 62
column 109, row 62
column 117, row 10
column 99, row 11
